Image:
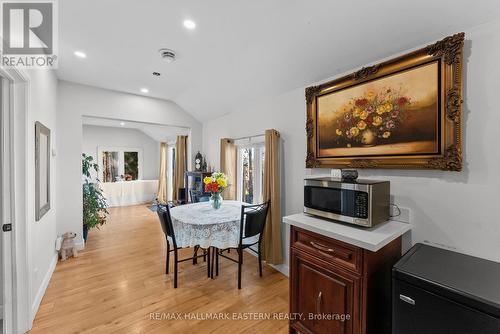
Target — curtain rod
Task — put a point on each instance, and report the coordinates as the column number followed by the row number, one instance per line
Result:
column 249, row 137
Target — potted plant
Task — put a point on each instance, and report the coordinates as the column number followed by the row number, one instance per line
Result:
column 94, row 203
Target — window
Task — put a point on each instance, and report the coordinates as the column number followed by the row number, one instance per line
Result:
column 131, row 164
column 250, row 173
column 118, row 164
column 110, row 165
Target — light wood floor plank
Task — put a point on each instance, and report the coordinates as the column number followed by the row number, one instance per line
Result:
column 118, row 281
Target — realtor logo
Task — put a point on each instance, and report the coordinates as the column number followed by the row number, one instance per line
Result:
column 28, row 28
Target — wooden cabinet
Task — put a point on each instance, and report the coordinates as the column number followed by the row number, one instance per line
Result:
column 338, row 288
column 322, row 290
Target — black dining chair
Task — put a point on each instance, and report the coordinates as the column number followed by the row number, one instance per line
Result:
column 252, row 223
column 198, row 196
column 167, row 227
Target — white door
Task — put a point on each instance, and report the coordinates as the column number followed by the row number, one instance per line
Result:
column 5, row 208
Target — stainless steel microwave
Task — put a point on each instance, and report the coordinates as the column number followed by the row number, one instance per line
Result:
column 360, row 202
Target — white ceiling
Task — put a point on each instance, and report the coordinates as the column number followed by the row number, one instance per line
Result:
column 244, row 51
column 160, row 133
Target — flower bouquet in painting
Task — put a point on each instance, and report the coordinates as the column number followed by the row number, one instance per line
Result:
column 215, row 185
column 371, row 119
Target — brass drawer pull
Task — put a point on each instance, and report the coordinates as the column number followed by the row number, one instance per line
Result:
column 319, row 299
column 321, row 247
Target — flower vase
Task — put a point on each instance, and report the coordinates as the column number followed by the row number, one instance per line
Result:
column 368, row 138
column 216, row 200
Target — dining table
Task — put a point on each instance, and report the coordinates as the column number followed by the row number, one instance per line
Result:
column 199, row 224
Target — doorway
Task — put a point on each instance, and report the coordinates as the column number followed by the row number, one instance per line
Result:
column 14, row 269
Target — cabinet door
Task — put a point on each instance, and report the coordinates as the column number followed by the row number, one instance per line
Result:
column 320, row 295
column 419, row 311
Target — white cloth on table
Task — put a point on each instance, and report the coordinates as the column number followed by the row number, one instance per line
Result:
column 200, row 224
column 123, row 193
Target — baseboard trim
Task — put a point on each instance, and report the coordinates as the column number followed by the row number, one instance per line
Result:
column 282, row 268
column 45, row 283
column 80, row 245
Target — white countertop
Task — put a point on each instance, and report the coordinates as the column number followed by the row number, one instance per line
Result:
column 372, row 239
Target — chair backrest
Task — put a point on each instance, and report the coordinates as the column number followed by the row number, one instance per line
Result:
column 253, row 220
column 182, row 195
column 197, row 196
column 166, row 221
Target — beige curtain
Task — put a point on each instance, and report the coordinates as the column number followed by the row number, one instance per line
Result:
column 179, row 166
column 228, row 166
column 272, row 247
column 162, row 178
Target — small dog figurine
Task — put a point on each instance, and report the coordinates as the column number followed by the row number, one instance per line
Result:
column 68, row 247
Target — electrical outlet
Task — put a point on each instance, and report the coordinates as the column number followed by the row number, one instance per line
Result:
column 337, row 173
column 403, row 215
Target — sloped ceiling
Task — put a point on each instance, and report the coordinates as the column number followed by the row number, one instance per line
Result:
column 242, row 51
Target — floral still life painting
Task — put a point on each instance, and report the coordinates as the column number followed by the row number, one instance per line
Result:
column 402, row 113
column 397, row 114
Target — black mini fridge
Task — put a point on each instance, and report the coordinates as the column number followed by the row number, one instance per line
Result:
column 437, row 291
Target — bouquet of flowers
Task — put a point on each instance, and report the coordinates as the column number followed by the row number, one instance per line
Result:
column 215, row 185
column 371, row 116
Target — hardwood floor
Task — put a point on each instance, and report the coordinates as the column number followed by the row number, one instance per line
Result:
column 118, row 285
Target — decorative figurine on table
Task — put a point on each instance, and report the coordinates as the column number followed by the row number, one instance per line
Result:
column 215, row 185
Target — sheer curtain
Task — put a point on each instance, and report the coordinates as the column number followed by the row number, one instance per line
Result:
column 228, row 161
column 162, row 178
column 180, row 164
column 272, row 247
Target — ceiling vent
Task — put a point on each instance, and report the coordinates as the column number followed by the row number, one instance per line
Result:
column 168, row 55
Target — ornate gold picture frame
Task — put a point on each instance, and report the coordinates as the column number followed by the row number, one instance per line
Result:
column 404, row 113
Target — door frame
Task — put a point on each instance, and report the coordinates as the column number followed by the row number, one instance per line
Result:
column 5, row 208
column 17, row 287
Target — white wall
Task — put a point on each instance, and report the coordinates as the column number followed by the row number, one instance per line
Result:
column 42, row 257
column 105, row 136
column 457, row 210
column 75, row 101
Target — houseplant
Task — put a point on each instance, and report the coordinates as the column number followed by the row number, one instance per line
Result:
column 94, row 203
column 215, row 185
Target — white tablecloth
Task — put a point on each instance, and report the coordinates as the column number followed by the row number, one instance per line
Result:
column 130, row 192
column 200, row 224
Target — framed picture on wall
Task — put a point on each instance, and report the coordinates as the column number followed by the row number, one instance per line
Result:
column 402, row 113
column 42, row 170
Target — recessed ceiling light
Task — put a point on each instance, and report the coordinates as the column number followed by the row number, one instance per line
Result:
column 80, row 54
column 189, row 24
column 122, row 123
column 144, row 90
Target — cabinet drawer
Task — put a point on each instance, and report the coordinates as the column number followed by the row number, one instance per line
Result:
column 330, row 250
